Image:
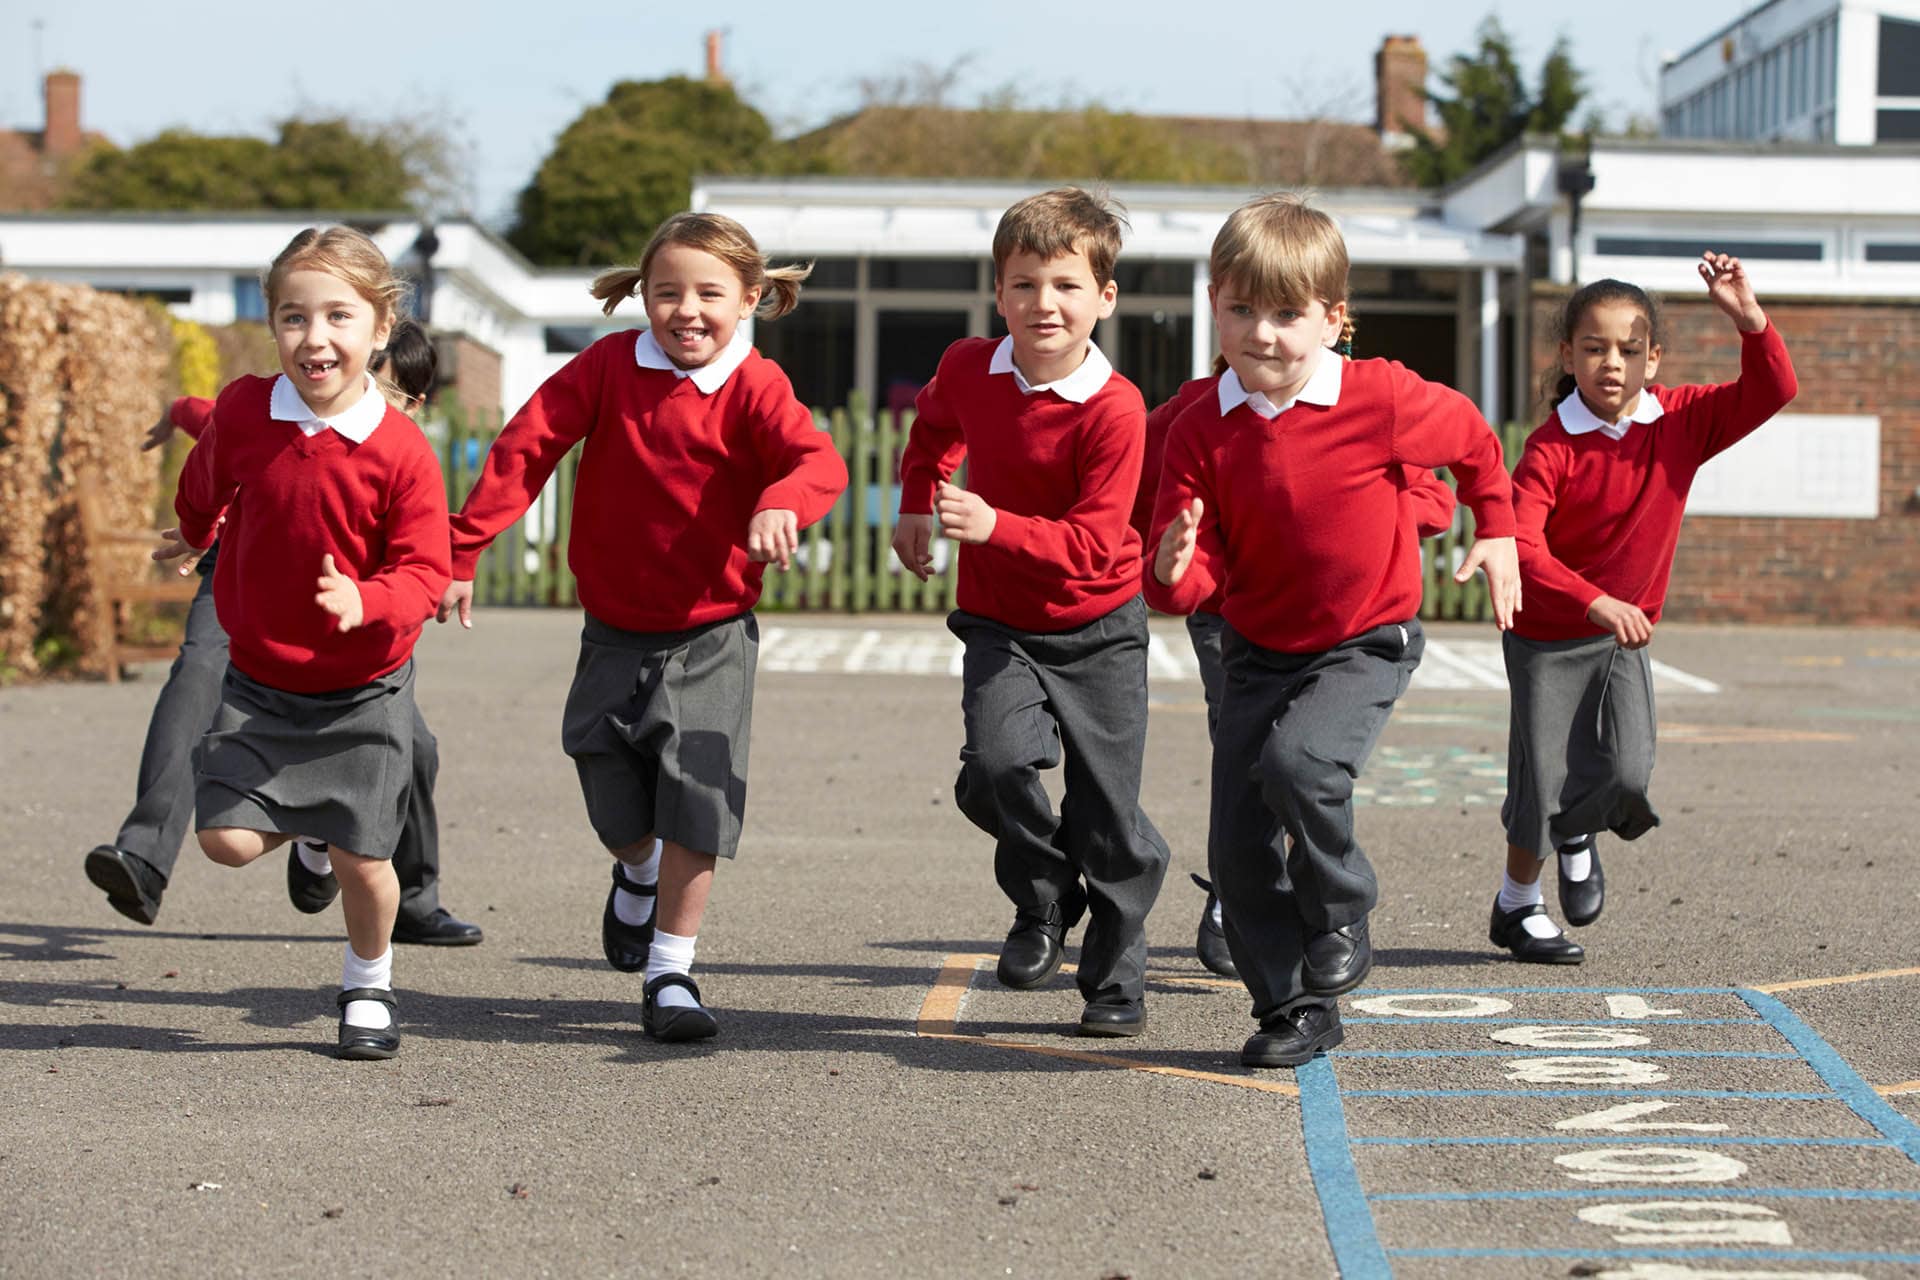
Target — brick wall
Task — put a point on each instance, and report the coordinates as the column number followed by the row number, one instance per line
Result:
column 469, row 375
column 1851, row 356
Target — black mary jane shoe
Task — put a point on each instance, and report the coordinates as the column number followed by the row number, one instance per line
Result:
column 1508, row 929
column 1113, row 1018
column 1581, row 900
column 441, row 929
column 308, row 892
column 1210, row 944
column 675, row 1023
column 133, row 887
column 626, row 945
column 1337, row 961
column 1037, row 942
column 364, row 1044
column 1294, row 1037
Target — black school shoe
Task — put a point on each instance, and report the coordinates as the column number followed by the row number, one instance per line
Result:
column 441, row 929
column 1113, row 1018
column 1211, row 942
column 1581, row 900
column 308, row 892
column 674, row 1023
column 1337, row 962
column 1294, row 1037
column 133, row 886
column 1034, row 946
column 364, row 1044
column 1508, row 929
column 626, row 945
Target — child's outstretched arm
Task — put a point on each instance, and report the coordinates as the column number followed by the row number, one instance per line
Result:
column 1767, row 382
column 936, row 446
column 1732, row 291
column 808, row 473
column 1188, row 552
column 1431, row 499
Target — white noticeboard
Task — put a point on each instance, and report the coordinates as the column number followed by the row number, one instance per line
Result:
column 1798, row 464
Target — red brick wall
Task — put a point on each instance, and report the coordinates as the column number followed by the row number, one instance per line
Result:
column 1851, row 356
column 469, row 375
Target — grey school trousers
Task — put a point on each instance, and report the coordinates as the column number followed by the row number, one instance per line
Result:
column 1077, row 700
column 1295, row 731
column 163, row 803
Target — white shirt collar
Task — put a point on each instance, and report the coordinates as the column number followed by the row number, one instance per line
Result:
column 1577, row 419
column 1322, row 388
column 709, row 377
column 1079, row 386
column 356, row 424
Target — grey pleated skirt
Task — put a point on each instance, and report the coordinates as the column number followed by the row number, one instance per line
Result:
column 329, row 766
column 1580, row 743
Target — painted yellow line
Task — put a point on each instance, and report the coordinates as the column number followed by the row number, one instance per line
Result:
column 1756, row 735
column 940, row 1015
column 1806, row 983
column 1911, row 1086
column 1190, row 980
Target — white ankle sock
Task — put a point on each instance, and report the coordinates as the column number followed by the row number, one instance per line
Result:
column 1514, row 896
column 637, row 908
column 377, row 973
column 671, row 954
column 1576, row 863
column 313, row 855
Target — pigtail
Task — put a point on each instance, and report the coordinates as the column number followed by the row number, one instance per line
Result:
column 1219, row 365
column 616, row 286
column 780, row 290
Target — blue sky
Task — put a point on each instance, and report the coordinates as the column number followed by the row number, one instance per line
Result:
column 505, row 78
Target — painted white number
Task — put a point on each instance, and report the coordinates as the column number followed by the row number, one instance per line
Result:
column 1622, row 1071
column 1620, row 1119
column 1690, row 1222
column 1637, row 1007
column 1676, row 1271
column 1569, row 1037
column 1438, row 1006
column 1650, row 1164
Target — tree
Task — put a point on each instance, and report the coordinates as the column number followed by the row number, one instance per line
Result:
column 1487, row 104
column 332, row 164
column 626, row 164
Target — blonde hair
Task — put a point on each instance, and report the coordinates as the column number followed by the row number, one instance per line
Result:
column 1278, row 249
column 345, row 254
column 725, row 239
column 1062, row 221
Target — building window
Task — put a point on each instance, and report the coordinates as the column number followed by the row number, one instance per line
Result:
column 1899, row 58
column 814, row 345
column 945, row 275
column 249, row 300
column 1824, row 53
column 1896, row 126
column 165, row 297
column 1162, row 279
column 571, row 339
column 1670, row 247
column 1797, row 78
column 1893, row 252
column 834, row 273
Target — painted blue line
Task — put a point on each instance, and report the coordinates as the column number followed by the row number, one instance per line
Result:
column 1655, row 1193
column 1591, row 1093
column 1742, row 1255
column 1357, row 1254
column 1540, row 1051
column 1840, row 1077
column 1414, row 1020
column 1664, row 1140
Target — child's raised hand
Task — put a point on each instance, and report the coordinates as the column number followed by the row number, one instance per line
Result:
column 913, row 543
column 1177, row 542
column 339, row 595
column 1731, row 290
column 158, row 434
column 1500, row 558
column 964, row 516
column 773, row 536
column 457, row 598
column 173, row 547
column 1629, row 624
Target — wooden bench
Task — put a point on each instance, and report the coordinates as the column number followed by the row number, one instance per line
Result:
column 117, row 586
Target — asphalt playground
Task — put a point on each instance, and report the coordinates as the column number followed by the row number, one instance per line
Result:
column 1730, row 1085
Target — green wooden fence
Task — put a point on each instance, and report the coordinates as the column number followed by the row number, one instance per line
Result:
column 846, row 562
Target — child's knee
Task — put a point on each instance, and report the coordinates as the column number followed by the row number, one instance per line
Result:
column 1292, row 775
column 353, row 868
column 229, row 846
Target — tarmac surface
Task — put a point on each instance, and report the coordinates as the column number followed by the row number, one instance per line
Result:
column 1729, row 1085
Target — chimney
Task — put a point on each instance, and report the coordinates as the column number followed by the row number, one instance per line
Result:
column 1400, row 87
column 62, row 136
column 715, row 74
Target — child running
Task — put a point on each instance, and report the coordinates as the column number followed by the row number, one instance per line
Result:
column 1599, row 494
column 314, row 481
column 1279, row 491
column 700, row 467
column 1050, row 610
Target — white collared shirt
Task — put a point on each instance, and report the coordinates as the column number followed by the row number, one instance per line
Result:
column 1079, row 386
column 709, row 377
column 356, row 423
column 1577, row 419
column 1322, row 388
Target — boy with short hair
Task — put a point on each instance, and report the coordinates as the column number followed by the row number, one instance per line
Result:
column 1050, row 609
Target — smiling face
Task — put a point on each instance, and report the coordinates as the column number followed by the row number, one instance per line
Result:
column 1050, row 306
column 694, row 303
column 1273, row 347
column 1611, row 356
column 326, row 332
